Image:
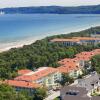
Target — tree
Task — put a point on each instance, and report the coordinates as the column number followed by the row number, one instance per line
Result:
column 70, row 52
column 8, row 93
column 66, row 79
column 40, row 94
column 40, row 53
column 96, row 63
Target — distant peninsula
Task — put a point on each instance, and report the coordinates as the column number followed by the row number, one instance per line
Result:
column 94, row 9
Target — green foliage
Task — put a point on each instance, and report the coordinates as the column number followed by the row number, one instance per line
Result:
column 96, row 63
column 40, row 94
column 66, row 79
column 8, row 93
column 56, row 99
column 40, row 53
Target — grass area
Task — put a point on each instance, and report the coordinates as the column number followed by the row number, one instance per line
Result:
column 58, row 98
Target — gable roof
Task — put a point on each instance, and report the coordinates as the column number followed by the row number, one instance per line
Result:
column 68, row 64
column 22, row 84
column 38, row 74
column 74, row 39
column 24, row 71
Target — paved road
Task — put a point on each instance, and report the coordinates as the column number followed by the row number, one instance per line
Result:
column 53, row 95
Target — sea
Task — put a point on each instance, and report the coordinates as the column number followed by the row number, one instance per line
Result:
column 16, row 29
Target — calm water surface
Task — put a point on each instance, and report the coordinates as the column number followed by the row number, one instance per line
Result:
column 16, row 27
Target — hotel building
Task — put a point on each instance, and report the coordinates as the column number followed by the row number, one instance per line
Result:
column 77, row 41
column 74, row 66
column 22, row 85
column 48, row 76
column 45, row 76
column 70, row 66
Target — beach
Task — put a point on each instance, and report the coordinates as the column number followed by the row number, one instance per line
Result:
column 30, row 40
column 17, row 44
column 19, row 30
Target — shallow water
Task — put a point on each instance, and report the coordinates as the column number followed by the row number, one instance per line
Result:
column 14, row 28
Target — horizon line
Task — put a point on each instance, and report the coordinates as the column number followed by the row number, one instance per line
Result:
column 50, row 6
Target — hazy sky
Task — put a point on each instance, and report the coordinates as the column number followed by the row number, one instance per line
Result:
column 14, row 3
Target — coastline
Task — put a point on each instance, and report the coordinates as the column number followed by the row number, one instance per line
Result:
column 17, row 44
column 27, row 41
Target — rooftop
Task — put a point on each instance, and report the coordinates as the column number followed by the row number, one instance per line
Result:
column 63, row 40
column 73, row 93
column 68, row 64
column 86, row 38
column 73, row 39
column 89, row 81
column 76, row 93
column 38, row 74
column 24, row 71
column 22, row 84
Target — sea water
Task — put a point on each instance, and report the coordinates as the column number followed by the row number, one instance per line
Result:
column 18, row 27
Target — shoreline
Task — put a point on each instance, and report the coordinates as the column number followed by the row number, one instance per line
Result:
column 28, row 41
column 18, row 44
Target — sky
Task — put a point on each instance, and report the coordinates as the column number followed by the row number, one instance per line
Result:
column 21, row 3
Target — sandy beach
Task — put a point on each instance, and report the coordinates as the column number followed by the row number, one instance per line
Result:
column 28, row 41
column 19, row 30
column 17, row 44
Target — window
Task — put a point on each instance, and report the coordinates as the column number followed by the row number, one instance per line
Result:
column 55, row 77
column 49, row 81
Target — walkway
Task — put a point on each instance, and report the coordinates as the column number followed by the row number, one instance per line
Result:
column 53, row 95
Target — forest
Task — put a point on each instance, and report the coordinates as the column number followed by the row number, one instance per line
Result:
column 40, row 53
column 9, row 93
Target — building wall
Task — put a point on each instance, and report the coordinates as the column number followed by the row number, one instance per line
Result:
column 50, row 80
column 95, row 35
column 81, row 42
column 66, row 43
column 89, row 42
column 76, row 73
column 30, row 90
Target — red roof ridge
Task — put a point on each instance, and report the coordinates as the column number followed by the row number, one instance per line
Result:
column 22, row 84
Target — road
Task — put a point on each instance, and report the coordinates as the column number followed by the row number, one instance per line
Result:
column 53, row 95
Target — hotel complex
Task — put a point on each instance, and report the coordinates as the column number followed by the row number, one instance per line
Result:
column 48, row 77
column 77, row 41
column 23, row 85
column 30, row 80
column 45, row 76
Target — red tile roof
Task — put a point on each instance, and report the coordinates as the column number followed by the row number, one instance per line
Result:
column 86, row 56
column 64, row 40
column 67, row 61
column 22, row 84
column 96, row 51
column 67, row 69
column 68, row 64
column 86, row 38
column 74, row 39
column 40, row 73
column 24, row 71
